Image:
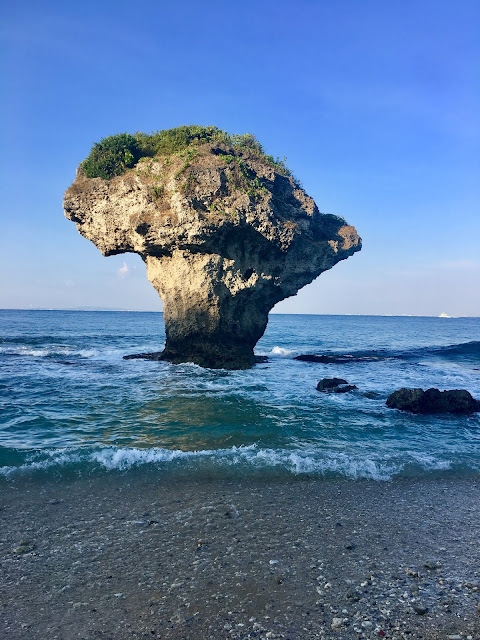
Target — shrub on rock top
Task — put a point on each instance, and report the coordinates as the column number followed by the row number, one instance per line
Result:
column 114, row 155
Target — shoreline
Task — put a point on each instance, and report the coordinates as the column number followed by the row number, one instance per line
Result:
column 139, row 556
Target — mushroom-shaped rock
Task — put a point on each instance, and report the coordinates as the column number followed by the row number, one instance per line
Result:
column 225, row 231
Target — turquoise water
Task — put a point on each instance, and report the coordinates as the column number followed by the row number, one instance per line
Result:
column 69, row 403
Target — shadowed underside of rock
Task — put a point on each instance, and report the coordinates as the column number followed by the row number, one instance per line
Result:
column 224, row 235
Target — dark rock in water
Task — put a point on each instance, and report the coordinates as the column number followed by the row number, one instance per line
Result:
column 159, row 355
column 308, row 357
column 329, row 383
column 337, row 359
column 224, row 231
column 433, row 401
column 405, row 399
column 335, row 385
column 371, row 395
column 345, row 389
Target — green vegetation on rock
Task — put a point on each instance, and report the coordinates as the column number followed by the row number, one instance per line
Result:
column 114, row 155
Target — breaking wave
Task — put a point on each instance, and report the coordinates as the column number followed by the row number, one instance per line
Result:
column 242, row 460
column 48, row 352
column 280, row 352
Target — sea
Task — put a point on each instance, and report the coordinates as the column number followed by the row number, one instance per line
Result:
column 70, row 405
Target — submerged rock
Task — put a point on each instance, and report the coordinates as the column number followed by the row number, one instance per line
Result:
column 433, row 401
column 225, row 233
column 345, row 389
column 337, row 359
column 157, row 355
column 371, row 395
column 311, row 357
column 335, row 385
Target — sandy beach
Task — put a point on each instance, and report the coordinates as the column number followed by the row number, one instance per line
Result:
column 137, row 556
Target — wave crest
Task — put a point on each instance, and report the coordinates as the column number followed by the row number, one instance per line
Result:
column 243, row 459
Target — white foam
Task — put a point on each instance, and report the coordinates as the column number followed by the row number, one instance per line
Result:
column 261, row 459
column 125, row 458
column 296, row 462
column 429, row 463
column 280, row 351
column 50, row 351
column 57, row 458
column 300, row 463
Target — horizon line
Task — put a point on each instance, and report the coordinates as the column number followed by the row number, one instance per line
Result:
column 115, row 310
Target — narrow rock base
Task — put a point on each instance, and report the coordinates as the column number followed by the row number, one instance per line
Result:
column 222, row 361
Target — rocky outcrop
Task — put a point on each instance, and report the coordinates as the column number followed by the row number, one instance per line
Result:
column 433, row 401
column 335, row 385
column 224, row 235
column 336, row 359
column 311, row 357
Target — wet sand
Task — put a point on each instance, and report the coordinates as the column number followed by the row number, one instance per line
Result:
column 134, row 556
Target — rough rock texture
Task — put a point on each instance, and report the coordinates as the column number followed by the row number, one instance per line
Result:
column 224, row 235
column 433, row 401
column 335, row 385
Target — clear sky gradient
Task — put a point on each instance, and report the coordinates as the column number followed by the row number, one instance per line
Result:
column 375, row 104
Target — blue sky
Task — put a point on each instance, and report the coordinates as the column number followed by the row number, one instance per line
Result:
column 375, row 104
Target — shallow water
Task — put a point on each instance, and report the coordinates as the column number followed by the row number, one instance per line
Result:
column 69, row 403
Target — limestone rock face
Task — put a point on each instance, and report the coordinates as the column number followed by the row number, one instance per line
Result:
column 224, row 235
